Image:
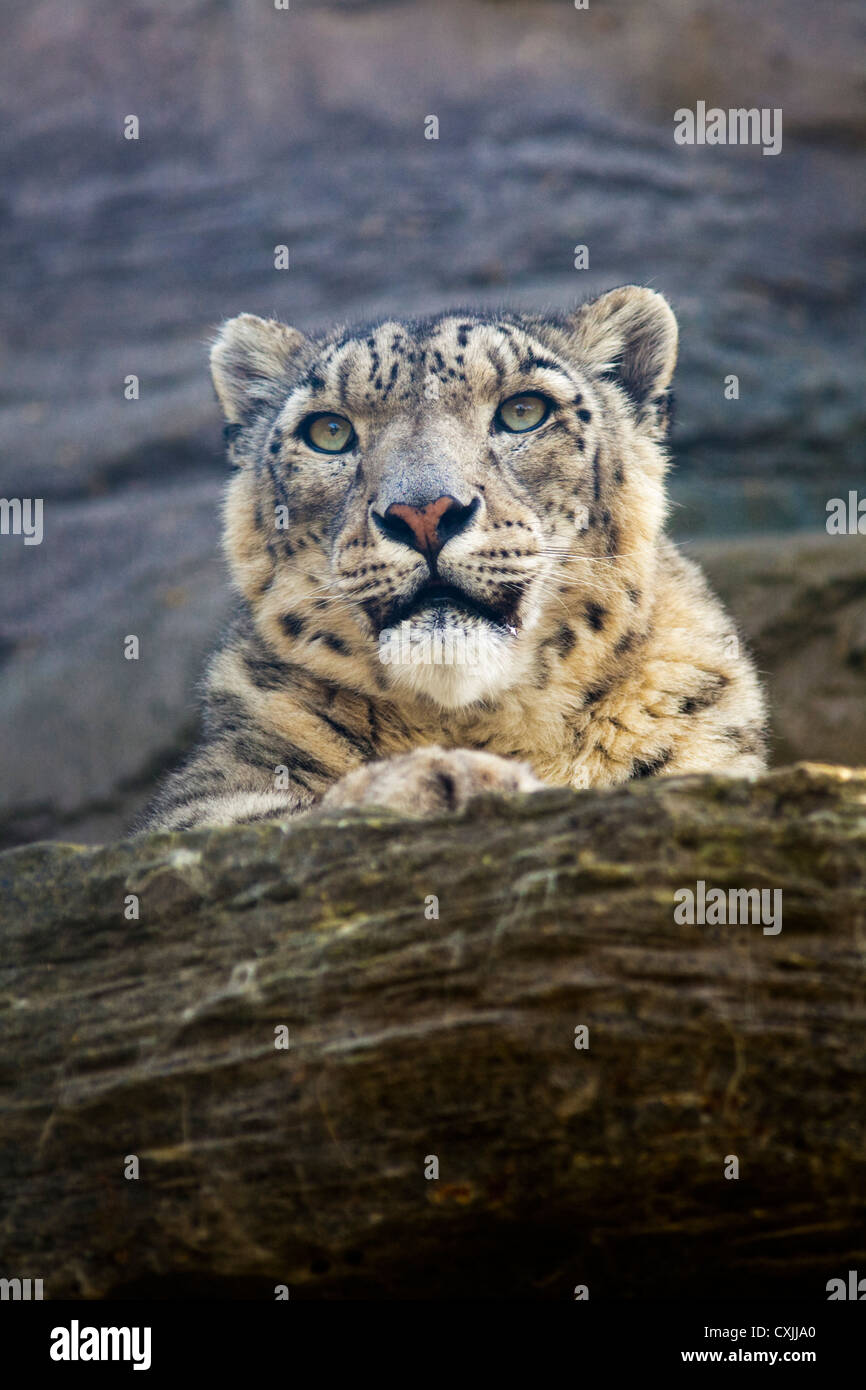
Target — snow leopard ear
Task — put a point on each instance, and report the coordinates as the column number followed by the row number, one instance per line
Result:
column 250, row 363
column 630, row 334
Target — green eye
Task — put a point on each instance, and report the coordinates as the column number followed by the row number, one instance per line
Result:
column 521, row 413
column 330, row 434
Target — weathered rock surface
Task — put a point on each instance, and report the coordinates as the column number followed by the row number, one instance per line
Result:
column 412, row 1037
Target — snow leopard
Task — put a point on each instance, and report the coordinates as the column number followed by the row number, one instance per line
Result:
column 447, row 540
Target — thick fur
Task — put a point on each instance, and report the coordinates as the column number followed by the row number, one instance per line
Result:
column 612, row 659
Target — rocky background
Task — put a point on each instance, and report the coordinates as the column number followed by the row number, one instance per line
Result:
column 305, row 127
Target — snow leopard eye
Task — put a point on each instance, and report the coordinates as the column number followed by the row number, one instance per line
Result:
column 330, row 434
column 521, row 413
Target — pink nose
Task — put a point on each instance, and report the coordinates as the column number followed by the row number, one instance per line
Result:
column 423, row 523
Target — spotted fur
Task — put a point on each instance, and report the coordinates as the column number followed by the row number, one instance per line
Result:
column 602, row 655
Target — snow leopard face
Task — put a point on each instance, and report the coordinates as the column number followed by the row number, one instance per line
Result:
column 461, row 482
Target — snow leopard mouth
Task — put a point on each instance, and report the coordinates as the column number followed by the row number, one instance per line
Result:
column 439, row 597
